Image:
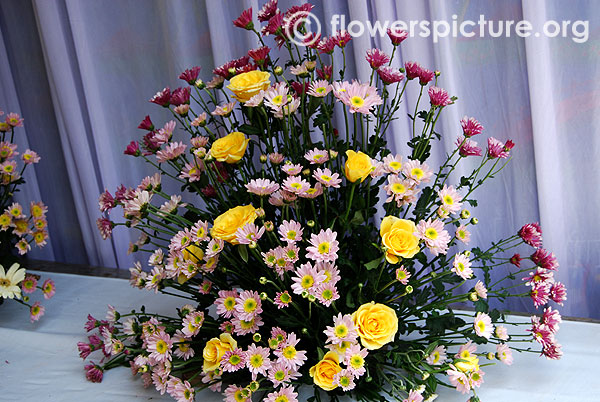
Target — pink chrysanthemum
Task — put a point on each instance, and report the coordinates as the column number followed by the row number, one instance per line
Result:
column 290, row 231
column 462, row 266
column 360, row 97
column 279, row 374
column 531, row 234
column 285, row 394
column 324, row 246
column 319, row 88
column 244, row 327
column 249, row 234
column 417, row 171
column 48, row 288
column 291, row 169
column 332, row 274
column 501, row 333
column 29, row 284
column 414, row 396
column 224, row 110
column 470, row 126
column 540, row 293
column 344, row 379
column 233, row 360
column 29, row 157
column 558, row 292
column 439, row 97
column 376, row 58
column 172, row 151
column 282, row 299
column 497, row 149
column 544, row 259
column 463, row 234
column 483, row 325
column 317, row 156
column 354, row 359
column 402, row 191
column 327, row 178
column 14, row 120
column 412, row 69
column 389, row 75
column 36, row 311
column 307, row 278
column 248, row 305
column 467, row 147
column 343, row 330
column 402, row 275
column 289, row 355
column 226, row 303
column 257, row 360
column 551, row 318
column 182, row 391
column 262, row 187
column 458, row 379
column 159, row 346
column 425, row 76
column 451, row 199
column 481, row 290
column 437, row 357
column 295, row 185
column 435, row 236
column 192, row 323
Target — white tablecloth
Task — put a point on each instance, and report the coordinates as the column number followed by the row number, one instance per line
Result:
column 39, row 362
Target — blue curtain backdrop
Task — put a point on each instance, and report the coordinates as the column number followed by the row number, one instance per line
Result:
column 81, row 71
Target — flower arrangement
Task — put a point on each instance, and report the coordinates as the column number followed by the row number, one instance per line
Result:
column 18, row 229
column 289, row 274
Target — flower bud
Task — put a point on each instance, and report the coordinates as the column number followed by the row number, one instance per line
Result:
column 467, row 253
column 256, row 337
column 437, row 73
column 278, row 70
column 252, row 245
column 333, row 154
column 263, row 296
column 246, row 393
column 425, row 376
column 306, row 172
column 304, row 331
column 304, row 294
column 25, row 299
column 474, row 221
column 490, row 356
column 311, row 298
column 254, row 385
column 473, row 296
column 199, row 84
column 369, row 379
column 263, row 158
column 262, row 280
column 409, row 289
column 268, row 226
column 310, row 223
column 260, row 212
column 465, row 214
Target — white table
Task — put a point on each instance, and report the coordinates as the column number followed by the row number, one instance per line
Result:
column 39, row 362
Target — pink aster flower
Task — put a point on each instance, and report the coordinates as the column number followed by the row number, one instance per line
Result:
column 437, row 357
column 343, row 330
column 551, row 318
column 243, row 327
column 397, row 36
column 327, row 178
column 402, row 275
column 291, row 169
column 326, row 293
column 558, row 292
column 200, row 120
column 279, row 373
column 501, row 333
column 257, row 360
column 224, row 110
column 402, row 191
column 226, row 303
column 36, row 311
column 544, row 259
column 435, row 236
column 172, row 151
column 159, row 346
column 425, row 76
column 470, row 126
column 29, row 284
column 319, row 88
column 295, row 185
column 282, row 299
column 483, row 325
column 481, row 290
column 344, row 379
column 233, row 360
column 389, row 75
column 93, row 372
column 307, row 278
column 458, row 379
column 414, row 396
column 497, row 149
column 417, row 171
column 8, row 150
column 48, row 288
column 540, row 293
column 341, row 38
column 285, row 393
column 463, row 234
column 290, row 231
column 182, row 391
column 324, row 246
column 8, row 167
column 29, row 157
column 289, row 354
column 467, row 147
column 317, row 156
column 248, row 305
column 462, row 266
column 249, row 234
column 360, row 97
column 439, row 97
column 22, row 247
column 354, row 359
column 14, row 120
column 451, row 199
column 376, row 58
column 516, row 260
column 262, row 187
column 192, row 323
column 531, row 234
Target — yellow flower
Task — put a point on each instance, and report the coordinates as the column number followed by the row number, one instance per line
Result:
column 214, row 351
column 324, row 371
column 397, row 235
column 376, row 324
column 358, row 166
column 469, row 363
column 226, row 224
column 246, row 85
column 193, row 253
column 231, row 148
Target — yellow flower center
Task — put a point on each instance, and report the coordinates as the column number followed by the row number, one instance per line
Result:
column 249, row 305
column 229, row 303
column 4, row 282
column 279, row 375
column 417, row 172
column 327, row 294
column 357, row 361
column 324, row 247
column 398, row 188
column 436, row 357
column 289, row 352
column 357, row 101
column 341, row 331
column 395, row 165
column 161, row 346
column 481, row 326
column 291, row 235
column 431, row 233
column 256, row 361
column 320, row 90
column 234, row 360
column 307, row 281
column 278, row 100
column 448, row 200
column 282, row 398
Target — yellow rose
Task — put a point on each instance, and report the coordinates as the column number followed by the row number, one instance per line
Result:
column 231, row 148
column 358, row 166
column 469, row 363
column 246, row 85
column 226, row 224
column 324, row 371
column 193, row 253
column 397, row 235
column 214, row 351
column 376, row 324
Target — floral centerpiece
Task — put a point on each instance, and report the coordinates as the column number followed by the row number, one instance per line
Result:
column 19, row 227
column 312, row 255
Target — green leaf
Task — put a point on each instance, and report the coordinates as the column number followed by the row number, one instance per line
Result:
column 373, row 264
column 243, row 251
column 250, row 130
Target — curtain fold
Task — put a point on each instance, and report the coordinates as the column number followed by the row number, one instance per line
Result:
column 81, row 72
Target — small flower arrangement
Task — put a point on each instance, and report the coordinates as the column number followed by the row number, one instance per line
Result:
column 288, row 277
column 19, row 228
